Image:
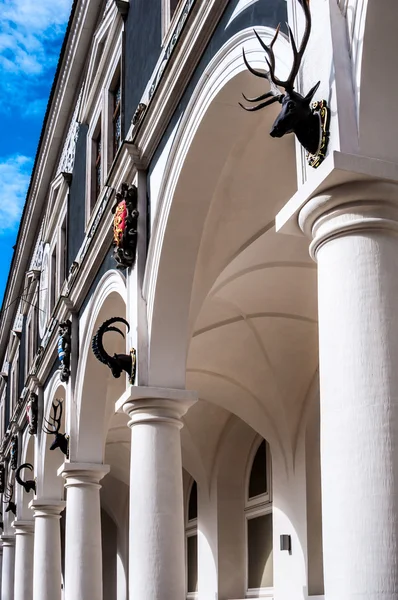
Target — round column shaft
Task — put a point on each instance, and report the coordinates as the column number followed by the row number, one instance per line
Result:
column 83, row 550
column 156, row 551
column 47, row 549
column 7, row 580
column 24, row 543
column 355, row 242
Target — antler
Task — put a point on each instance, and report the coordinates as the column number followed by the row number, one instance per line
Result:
column 97, row 345
column 56, row 420
column 287, row 84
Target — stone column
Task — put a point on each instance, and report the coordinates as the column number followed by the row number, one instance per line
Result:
column 83, row 547
column 7, row 580
column 47, row 549
column 156, row 551
column 24, row 542
column 355, row 242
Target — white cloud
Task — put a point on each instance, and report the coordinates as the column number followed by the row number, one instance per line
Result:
column 14, row 180
column 29, row 32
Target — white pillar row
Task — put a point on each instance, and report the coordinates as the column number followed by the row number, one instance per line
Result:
column 83, row 546
column 47, row 549
column 355, row 242
column 7, row 579
column 24, row 542
column 156, row 551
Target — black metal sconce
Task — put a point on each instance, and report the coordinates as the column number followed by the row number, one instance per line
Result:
column 286, row 543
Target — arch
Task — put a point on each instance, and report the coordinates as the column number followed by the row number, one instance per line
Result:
column 96, row 390
column 175, row 295
column 27, row 456
column 49, row 485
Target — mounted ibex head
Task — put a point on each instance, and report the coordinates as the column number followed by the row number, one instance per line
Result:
column 27, row 485
column 296, row 115
column 8, row 494
column 53, row 426
column 118, row 362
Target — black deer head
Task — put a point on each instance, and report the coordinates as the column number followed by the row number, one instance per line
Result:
column 27, row 485
column 296, row 115
column 53, row 425
column 8, row 494
column 118, row 362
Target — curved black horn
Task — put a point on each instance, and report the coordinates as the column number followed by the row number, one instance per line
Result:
column 27, row 485
column 97, row 344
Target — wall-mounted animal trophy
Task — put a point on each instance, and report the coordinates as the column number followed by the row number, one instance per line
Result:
column 118, row 362
column 125, row 226
column 27, row 485
column 8, row 494
column 297, row 115
column 64, row 349
column 52, row 427
column 14, row 452
column 2, row 478
column 32, row 411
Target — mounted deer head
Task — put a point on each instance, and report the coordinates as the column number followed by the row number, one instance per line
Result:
column 53, row 426
column 296, row 115
column 27, row 485
column 118, row 362
column 8, row 494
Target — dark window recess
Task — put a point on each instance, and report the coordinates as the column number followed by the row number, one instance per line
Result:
column 173, row 6
column 53, row 282
column 193, row 503
column 117, row 118
column 63, row 250
column 258, row 474
column 259, row 555
column 98, row 170
column 192, row 551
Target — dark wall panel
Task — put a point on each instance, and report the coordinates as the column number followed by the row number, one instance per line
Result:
column 22, row 358
column 142, row 50
column 77, row 197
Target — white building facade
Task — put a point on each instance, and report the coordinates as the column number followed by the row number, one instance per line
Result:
column 254, row 454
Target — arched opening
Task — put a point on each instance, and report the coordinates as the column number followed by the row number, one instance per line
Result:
column 191, row 541
column 259, row 529
column 49, row 485
column 109, row 556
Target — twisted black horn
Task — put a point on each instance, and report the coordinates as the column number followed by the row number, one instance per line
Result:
column 97, row 345
column 118, row 362
column 27, row 485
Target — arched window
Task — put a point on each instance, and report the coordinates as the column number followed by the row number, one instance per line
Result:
column 191, row 534
column 258, row 514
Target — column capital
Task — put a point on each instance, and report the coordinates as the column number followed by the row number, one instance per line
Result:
column 8, row 540
column 45, row 507
column 345, row 209
column 149, row 404
column 82, row 474
column 23, row 527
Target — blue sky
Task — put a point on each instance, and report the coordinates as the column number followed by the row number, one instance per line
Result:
column 31, row 34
